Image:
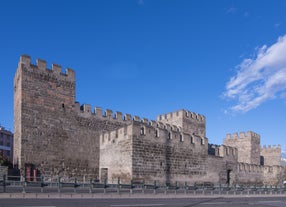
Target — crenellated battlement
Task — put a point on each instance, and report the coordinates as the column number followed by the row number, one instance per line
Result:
column 223, row 151
column 183, row 114
column 86, row 109
column 41, row 65
column 243, row 135
column 270, row 148
column 108, row 114
column 158, row 131
column 250, row 168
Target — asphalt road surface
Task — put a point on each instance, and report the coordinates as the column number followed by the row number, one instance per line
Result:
column 148, row 202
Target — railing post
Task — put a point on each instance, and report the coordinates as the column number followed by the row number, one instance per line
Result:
column 118, row 185
column 59, row 184
column 155, row 186
column 143, row 186
column 185, row 187
column 42, row 184
column 90, row 185
column 24, row 184
column 176, row 186
column 4, row 183
column 131, row 186
column 105, row 185
column 75, row 185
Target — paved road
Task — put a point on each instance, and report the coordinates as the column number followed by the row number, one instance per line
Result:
column 149, row 202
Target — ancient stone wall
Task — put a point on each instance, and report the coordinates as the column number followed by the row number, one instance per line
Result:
column 271, row 155
column 273, row 175
column 57, row 136
column 248, row 145
column 160, row 152
column 249, row 174
column 116, row 155
column 189, row 122
column 52, row 132
column 167, row 154
column 222, row 164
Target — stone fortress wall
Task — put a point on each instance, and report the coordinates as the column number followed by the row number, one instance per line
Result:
column 58, row 136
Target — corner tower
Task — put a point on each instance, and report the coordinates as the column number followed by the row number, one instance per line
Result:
column 247, row 144
column 38, row 93
column 188, row 122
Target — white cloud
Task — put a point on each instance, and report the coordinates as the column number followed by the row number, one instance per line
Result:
column 140, row 2
column 259, row 79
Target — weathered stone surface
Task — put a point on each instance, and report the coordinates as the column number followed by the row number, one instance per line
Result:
column 57, row 136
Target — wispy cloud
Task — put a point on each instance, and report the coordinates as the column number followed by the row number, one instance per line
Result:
column 259, row 79
column 231, row 10
column 140, row 2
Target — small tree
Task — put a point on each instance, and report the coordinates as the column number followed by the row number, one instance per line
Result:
column 4, row 161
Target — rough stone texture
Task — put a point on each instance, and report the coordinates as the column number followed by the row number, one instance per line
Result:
column 188, row 122
column 271, row 155
column 57, row 136
column 144, row 152
column 52, row 132
column 116, row 155
column 248, row 145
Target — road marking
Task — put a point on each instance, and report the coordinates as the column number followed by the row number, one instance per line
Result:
column 123, row 205
column 214, row 203
column 36, row 206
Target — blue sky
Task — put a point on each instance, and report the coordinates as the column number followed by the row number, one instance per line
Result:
column 223, row 59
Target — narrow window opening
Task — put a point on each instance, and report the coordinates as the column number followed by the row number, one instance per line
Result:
column 169, row 135
column 181, row 138
column 157, row 132
column 142, row 131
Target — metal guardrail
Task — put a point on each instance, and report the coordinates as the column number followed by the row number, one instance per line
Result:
column 94, row 186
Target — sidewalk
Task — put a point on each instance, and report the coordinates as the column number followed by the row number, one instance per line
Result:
column 123, row 195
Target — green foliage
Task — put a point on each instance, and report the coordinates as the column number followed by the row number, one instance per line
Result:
column 4, row 161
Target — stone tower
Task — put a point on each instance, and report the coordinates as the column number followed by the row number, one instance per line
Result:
column 271, row 155
column 53, row 134
column 39, row 94
column 248, row 145
column 189, row 122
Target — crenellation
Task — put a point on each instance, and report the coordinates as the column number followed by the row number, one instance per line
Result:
column 145, row 121
column 160, row 125
column 153, row 123
column 70, row 73
column 136, row 118
column 175, row 128
column 41, row 64
column 127, row 117
column 98, row 111
column 253, row 134
column 25, row 59
column 86, row 108
column 174, row 147
column 108, row 113
column 242, row 135
column 167, row 127
column 118, row 116
column 56, row 68
column 169, row 116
